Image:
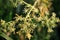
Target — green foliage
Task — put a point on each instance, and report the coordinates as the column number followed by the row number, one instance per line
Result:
column 5, row 36
column 6, row 8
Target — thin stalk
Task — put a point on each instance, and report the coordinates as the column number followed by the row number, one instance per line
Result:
column 31, row 9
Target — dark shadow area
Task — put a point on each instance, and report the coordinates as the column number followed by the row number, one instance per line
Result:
column 1, row 38
column 56, row 7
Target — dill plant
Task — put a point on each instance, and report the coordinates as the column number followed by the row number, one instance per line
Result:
column 36, row 21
